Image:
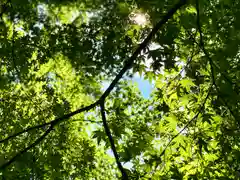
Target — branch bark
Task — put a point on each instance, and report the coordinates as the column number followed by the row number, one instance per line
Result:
column 110, row 138
column 53, row 122
column 27, row 148
column 202, row 46
column 127, row 66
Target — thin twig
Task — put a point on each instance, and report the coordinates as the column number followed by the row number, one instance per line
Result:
column 215, row 65
column 111, row 140
column 186, row 126
column 86, row 120
column 189, row 122
column 181, row 71
column 203, row 105
column 202, row 46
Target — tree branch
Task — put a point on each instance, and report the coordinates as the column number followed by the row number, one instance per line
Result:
column 26, row 149
column 143, row 45
column 53, row 122
column 202, row 46
column 188, row 123
column 86, row 120
column 127, row 66
column 182, row 70
column 213, row 63
column 108, row 132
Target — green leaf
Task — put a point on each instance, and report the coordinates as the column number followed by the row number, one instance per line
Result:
column 187, row 83
column 172, row 120
column 100, row 135
column 207, row 118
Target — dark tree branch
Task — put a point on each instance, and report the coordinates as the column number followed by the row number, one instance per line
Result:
column 202, row 46
column 230, row 110
column 108, row 132
column 224, row 74
column 142, row 46
column 127, row 66
column 26, row 149
column 53, row 122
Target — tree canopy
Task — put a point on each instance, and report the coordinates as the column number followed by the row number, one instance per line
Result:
column 57, row 120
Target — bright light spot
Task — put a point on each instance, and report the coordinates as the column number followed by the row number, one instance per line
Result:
column 128, row 165
column 110, row 152
column 105, row 85
column 38, row 25
column 42, row 10
column 183, row 73
column 149, row 124
column 183, row 132
column 148, row 63
column 139, row 18
column 181, row 108
column 154, row 46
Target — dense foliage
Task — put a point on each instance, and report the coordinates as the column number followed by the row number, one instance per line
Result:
column 57, row 122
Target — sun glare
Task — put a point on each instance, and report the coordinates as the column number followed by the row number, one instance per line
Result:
column 139, row 18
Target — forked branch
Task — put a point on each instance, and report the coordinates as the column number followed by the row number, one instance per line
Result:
column 127, row 66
